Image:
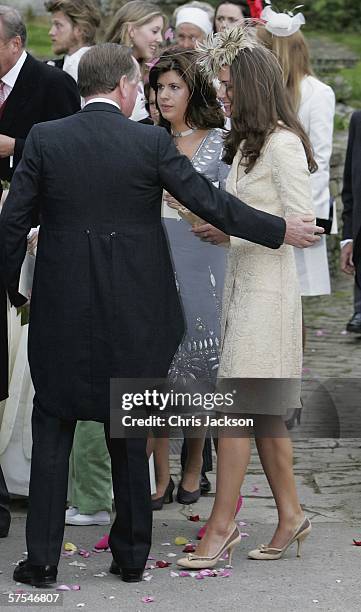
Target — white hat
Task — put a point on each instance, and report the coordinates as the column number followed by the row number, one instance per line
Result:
column 281, row 24
column 195, row 16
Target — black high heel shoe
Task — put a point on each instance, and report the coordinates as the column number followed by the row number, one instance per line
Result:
column 167, row 498
column 187, row 497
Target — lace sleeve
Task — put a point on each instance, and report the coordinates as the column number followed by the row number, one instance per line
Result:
column 290, row 173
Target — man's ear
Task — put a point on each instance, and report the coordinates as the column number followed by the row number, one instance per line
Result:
column 123, row 87
column 78, row 33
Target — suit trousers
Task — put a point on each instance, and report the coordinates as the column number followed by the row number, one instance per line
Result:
column 4, row 506
column 357, row 298
column 130, row 536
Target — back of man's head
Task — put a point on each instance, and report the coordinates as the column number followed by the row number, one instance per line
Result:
column 12, row 24
column 82, row 13
column 102, row 67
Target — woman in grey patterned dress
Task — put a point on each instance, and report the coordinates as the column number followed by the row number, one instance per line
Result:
column 189, row 109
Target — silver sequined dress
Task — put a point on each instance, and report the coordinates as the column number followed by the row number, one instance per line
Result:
column 199, row 269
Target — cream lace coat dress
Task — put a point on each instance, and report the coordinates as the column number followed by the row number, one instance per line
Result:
column 261, row 320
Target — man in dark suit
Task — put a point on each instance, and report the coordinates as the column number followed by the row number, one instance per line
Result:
column 351, row 234
column 104, row 301
column 30, row 92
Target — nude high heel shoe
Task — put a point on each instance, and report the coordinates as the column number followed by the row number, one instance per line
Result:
column 193, row 561
column 265, row 553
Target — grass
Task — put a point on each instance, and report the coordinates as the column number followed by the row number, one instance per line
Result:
column 38, row 38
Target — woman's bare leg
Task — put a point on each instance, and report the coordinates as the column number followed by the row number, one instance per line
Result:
column 161, row 465
column 232, row 462
column 276, row 455
column 193, row 464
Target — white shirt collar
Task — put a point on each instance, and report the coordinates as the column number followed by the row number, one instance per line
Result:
column 10, row 77
column 71, row 62
column 103, row 100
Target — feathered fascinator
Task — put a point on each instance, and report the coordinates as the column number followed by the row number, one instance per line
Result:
column 222, row 48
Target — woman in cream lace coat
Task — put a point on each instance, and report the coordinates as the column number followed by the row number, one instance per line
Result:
column 262, row 319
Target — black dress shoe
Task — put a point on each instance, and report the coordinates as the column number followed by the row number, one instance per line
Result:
column 126, row 574
column 204, row 485
column 36, row 575
column 354, row 324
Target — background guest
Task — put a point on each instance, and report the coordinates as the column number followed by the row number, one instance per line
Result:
column 351, row 216
column 73, row 31
column 189, row 109
column 192, row 25
column 230, row 13
column 314, row 102
column 138, row 25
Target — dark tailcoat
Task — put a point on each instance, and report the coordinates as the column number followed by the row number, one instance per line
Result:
column 351, row 193
column 104, row 301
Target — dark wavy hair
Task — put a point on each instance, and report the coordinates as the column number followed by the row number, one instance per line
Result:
column 242, row 4
column 203, row 111
column 259, row 103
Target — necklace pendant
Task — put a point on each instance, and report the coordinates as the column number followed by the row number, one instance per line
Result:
column 185, row 133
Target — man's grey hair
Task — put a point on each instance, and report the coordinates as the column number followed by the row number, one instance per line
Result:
column 13, row 24
column 102, row 67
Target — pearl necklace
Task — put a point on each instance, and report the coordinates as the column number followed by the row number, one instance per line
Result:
column 185, row 133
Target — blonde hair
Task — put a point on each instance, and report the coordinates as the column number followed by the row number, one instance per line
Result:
column 294, row 57
column 137, row 13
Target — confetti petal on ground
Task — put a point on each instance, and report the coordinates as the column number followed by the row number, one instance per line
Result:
column 344, row 332
column 100, row 575
column 189, row 548
column 75, row 587
column 174, row 574
column 194, row 518
column 315, row 601
column 148, row 567
column 180, row 541
column 148, row 578
column 255, row 489
column 319, row 333
column 244, row 535
column 77, row 564
column 199, row 577
column 184, row 574
column 166, row 544
column 103, row 543
column 151, row 558
column 84, row 553
column 172, row 554
column 226, row 573
column 147, row 599
column 162, row 564
column 80, row 605
column 63, row 587
column 357, row 542
column 69, row 546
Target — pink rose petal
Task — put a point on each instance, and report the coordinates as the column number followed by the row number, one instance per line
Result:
column 147, row 599
column 75, row 587
column 184, row 574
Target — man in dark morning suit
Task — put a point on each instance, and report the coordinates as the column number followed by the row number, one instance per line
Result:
column 351, row 216
column 30, row 92
column 104, row 301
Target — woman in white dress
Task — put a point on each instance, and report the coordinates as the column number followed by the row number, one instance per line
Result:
column 314, row 102
column 272, row 159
